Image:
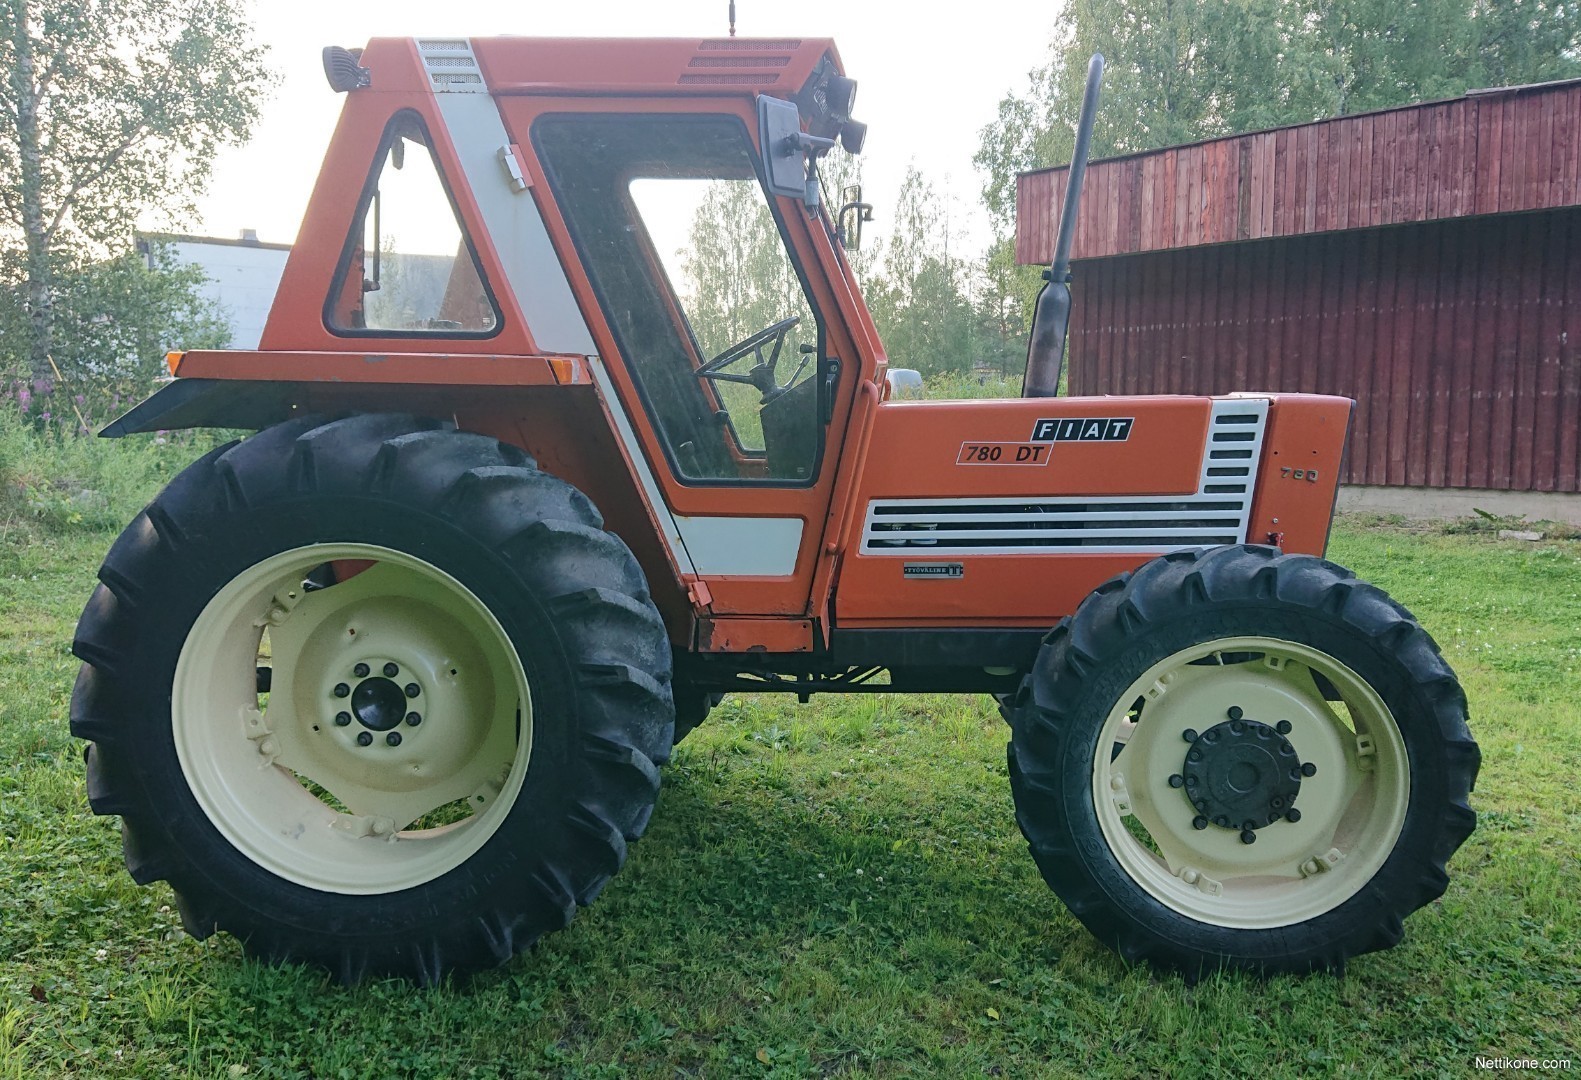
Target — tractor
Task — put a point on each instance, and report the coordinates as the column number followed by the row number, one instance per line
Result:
column 569, row 418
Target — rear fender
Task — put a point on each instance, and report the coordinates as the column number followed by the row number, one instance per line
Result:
column 208, row 403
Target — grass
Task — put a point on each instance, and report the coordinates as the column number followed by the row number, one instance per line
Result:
column 835, row 888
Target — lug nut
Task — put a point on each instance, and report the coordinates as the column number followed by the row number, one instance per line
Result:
column 342, row 719
column 361, row 671
column 414, row 718
column 1308, row 769
column 1235, row 713
column 342, row 690
column 1283, row 727
column 393, row 738
column 1190, row 734
column 1237, row 727
column 1292, row 815
column 1177, row 780
column 412, row 689
column 1193, row 755
column 364, row 738
column 1248, row 837
column 391, row 670
column 1199, row 823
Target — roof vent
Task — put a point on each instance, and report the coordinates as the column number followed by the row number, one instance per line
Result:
column 452, row 66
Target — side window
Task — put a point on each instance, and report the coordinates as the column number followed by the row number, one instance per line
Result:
column 705, row 300
column 408, row 269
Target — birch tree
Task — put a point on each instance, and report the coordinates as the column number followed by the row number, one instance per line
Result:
column 112, row 110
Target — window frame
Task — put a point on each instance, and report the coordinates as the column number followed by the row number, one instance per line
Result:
column 661, row 277
column 399, row 121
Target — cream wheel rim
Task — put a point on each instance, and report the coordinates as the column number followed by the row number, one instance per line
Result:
column 1241, row 704
column 395, row 733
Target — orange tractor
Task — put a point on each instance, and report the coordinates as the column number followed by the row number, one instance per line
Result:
column 569, row 418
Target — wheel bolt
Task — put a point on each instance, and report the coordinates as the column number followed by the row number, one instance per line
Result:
column 342, row 719
column 364, row 738
column 342, row 690
column 414, row 718
column 1235, row 713
column 1292, row 815
column 412, row 689
column 1283, row 727
column 1199, row 823
column 1277, row 801
column 393, row 738
column 1308, row 769
column 1248, row 837
column 1193, row 755
column 361, row 671
column 391, row 670
column 1177, row 780
column 1237, row 727
column 1190, row 734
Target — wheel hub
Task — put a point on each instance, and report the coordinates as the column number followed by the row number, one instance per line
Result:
column 1242, row 775
column 378, row 703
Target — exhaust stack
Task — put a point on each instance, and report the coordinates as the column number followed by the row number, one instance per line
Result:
column 1051, row 317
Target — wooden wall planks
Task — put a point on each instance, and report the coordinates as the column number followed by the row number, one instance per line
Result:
column 1460, row 340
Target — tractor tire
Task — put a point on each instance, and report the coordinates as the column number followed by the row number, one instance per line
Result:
column 466, row 699
column 692, row 707
column 1239, row 759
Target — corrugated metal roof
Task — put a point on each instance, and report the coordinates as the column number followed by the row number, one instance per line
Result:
column 1491, row 151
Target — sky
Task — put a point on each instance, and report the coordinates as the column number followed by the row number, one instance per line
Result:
column 930, row 76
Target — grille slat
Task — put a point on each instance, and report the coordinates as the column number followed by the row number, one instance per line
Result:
column 1217, row 513
column 1053, row 517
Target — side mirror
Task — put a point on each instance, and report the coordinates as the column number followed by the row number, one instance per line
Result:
column 904, row 382
column 779, row 134
column 853, row 211
column 790, row 155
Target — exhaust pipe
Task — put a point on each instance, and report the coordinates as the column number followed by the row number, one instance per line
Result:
column 1051, row 317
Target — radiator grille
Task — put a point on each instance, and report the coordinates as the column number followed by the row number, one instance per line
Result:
column 1216, row 514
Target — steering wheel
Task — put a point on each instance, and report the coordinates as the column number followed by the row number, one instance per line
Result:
column 765, row 346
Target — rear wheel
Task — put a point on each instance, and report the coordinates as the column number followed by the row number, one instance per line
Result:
column 1242, row 759
column 373, row 695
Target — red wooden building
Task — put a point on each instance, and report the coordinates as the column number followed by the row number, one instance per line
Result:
column 1424, row 260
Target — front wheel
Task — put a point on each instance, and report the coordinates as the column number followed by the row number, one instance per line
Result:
column 374, row 695
column 1242, row 759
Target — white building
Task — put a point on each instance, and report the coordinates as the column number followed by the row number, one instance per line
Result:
column 243, row 276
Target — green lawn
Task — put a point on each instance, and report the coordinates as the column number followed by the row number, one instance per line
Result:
column 834, row 888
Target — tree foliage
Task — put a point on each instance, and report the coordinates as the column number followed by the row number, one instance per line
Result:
column 113, row 110
column 114, row 321
column 920, row 295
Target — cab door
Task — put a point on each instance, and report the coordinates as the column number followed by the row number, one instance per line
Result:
column 721, row 354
